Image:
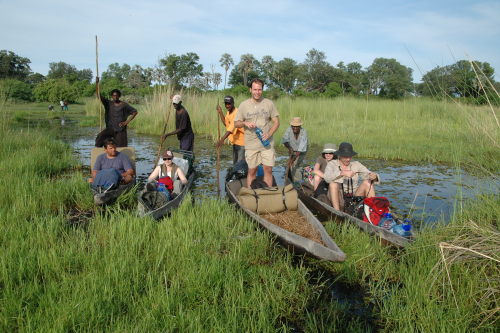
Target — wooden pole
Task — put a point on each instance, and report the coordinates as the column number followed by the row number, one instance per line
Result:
column 287, row 169
column 98, row 92
column 218, row 151
column 164, row 129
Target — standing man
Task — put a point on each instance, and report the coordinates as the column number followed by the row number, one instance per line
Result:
column 62, row 104
column 116, row 113
column 235, row 135
column 182, row 124
column 295, row 139
column 258, row 112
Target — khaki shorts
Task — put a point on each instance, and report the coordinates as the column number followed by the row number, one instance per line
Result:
column 260, row 156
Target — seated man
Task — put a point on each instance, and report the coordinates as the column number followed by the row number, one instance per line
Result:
column 343, row 174
column 112, row 160
column 295, row 139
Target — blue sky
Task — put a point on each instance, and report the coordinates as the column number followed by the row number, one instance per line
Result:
column 138, row 32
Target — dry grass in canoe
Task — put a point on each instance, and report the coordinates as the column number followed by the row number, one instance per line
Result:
column 293, row 221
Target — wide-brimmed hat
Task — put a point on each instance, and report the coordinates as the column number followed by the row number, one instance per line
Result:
column 296, row 121
column 177, row 99
column 345, row 150
column 167, row 154
column 329, row 148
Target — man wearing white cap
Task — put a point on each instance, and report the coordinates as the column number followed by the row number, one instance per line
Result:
column 295, row 139
column 183, row 127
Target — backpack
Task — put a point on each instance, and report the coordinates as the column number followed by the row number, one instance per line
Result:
column 322, row 189
column 258, row 183
column 153, row 200
column 239, row 171
column 167, row 181
column 374, row 209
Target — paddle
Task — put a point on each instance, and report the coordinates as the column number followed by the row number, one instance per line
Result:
column 164, row 128
column 218, row 150
column 98, row 92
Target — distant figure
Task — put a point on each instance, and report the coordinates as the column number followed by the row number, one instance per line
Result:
column 51, row 108
column 343, row 175
column 295, row 139
column 258, row 112
column 236, row 135
column 66, row 105
column 112, row 159
column 115, row 115
column 62, row 105
column 183, row 127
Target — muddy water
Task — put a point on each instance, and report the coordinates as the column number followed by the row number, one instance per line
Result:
column 426, row 192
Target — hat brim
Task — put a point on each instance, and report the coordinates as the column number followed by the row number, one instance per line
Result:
column 296, row 124
column 345, row 153
column 328, row 151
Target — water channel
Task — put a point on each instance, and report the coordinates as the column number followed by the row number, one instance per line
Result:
column 427, row 192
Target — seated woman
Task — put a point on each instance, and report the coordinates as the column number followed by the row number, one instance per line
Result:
column 326, row 156
column 168, row 168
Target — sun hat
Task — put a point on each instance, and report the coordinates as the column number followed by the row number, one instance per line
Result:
column 296, row 121
column 345, row 150
column 329, row 148
column 177, row 99
column 229, row 99
column 167, row 154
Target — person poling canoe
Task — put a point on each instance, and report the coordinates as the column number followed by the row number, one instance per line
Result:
column 236, row 135
column 295, row 139
column 116, row 113
column 183, row 127
column 343, row 174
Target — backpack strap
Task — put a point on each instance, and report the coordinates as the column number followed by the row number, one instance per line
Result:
column 256, row 201
column 284, row 198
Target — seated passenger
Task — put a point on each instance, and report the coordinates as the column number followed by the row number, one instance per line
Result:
column 168, row 168
column 112, row 160
column 343, row 175
column 326, row 156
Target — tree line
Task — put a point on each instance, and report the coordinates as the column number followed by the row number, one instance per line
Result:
column 314, row 77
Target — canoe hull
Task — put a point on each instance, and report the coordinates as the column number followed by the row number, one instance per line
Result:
column 104, row 198
column 387, row 237
column 293, row 242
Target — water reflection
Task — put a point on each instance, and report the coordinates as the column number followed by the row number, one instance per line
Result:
column 425, row 191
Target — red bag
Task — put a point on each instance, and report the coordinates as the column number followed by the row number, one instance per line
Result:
column 374, row 209
column 167, row 181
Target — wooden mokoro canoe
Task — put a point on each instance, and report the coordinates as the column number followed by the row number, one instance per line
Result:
column 103, row 198
column 295, row 243
column 387, row 237
column 176, row 202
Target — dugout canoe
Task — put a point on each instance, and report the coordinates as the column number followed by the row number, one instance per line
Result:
column 176, row 202
column 387, row 237
column 110, row 195
column 293, row 242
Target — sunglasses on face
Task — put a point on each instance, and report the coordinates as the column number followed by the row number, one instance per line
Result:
column 329, row 154
column 167, row 159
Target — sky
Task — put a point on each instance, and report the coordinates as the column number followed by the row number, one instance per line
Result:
column 418, row 34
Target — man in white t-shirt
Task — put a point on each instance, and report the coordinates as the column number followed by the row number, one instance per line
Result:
column 252, row 113
column 62, row 105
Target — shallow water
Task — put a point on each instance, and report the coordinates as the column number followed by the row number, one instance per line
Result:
column 426, row 192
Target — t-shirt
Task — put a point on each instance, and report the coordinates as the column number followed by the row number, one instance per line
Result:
column 237, row 136
column 62, row 103
column 120, row 163
column 322, row 163
column 301, row 144
column 260, row 114
column 183, row 122
column 115, row 114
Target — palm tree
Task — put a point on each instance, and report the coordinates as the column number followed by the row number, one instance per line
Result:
column 247, row 61
column 267, row 63
column 226, row 61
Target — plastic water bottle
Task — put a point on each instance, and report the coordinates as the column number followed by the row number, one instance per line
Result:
column 259, row 133
column 404, row 229
column 161, row 187
column 387, row 222
column 260, row 171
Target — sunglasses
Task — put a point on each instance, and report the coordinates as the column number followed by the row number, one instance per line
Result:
column 167, row 159
column 329, row 154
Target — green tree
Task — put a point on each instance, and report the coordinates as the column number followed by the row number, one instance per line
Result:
column 226, row 61
column 117, row 72
column 247, row 63
column 53, row 91
column 267, row 65
column 13, row 66
column 333, row 90
column 16, row 90
column 285, row 74
column 317, row 72
column 182, row 69
column 35, row 78
column 388, row 77
column 137, row 78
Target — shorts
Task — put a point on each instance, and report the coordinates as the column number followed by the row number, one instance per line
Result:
column 264, row 156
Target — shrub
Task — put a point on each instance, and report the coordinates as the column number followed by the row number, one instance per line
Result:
column 16, row 90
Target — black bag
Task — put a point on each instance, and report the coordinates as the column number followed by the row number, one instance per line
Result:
column 352, row 203
column 239, row 171
column 322, row 189
column 257, row 183
column 153, row 200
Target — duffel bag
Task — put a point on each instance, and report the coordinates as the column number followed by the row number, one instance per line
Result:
column 274, row 199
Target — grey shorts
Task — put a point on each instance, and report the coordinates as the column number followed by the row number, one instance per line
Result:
column 238, row 153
